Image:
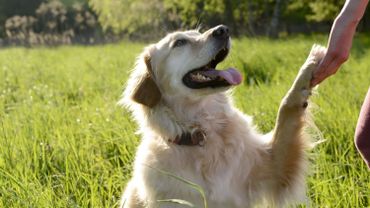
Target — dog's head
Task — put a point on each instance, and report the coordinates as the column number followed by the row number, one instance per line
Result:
column 183, row 64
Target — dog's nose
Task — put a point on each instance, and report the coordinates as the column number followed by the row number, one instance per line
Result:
column 221, row 32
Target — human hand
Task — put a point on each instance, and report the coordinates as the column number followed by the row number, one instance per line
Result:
column 340, row 40
column 329, row 65
column 340, row 43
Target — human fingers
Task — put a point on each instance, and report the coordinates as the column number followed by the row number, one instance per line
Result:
column 321, row 69
column 330, row 65
column 321, row 75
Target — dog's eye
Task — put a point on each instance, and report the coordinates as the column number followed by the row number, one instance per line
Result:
column 179, row 43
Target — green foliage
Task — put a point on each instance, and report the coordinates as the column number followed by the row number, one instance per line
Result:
column 51, row 17
column 64, row 142
column 192, row 13
column 317, row 10
column 16, row 7
column 134, row 17
column 145, row 19
column 70, row 3
column 53, row 23
column 160, row 16
column 324, row 10
column 129, row 16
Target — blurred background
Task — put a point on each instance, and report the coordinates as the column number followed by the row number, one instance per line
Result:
column 54, row 22
column 64, row 141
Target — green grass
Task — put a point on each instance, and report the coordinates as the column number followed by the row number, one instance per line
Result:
column 65, row 143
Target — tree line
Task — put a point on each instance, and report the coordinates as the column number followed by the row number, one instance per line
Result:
column 244, row 17
column 39, row 22
column 84, row 20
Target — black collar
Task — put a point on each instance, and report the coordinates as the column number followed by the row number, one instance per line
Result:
column 196, row 138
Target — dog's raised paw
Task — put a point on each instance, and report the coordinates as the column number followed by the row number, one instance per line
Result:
column 301, row 89
column 317, row 53
column 305, row 75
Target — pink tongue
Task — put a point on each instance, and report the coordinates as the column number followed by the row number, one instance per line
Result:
column 231, row 75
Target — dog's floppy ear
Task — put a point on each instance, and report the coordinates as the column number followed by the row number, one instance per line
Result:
column 147, row 92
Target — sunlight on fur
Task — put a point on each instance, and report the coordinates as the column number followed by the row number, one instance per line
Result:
column 191, row 129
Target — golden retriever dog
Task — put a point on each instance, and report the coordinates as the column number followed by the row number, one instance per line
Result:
column 191, row 130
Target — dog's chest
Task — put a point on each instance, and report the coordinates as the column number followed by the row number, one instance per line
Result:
column 219, row 167
column 214, row 167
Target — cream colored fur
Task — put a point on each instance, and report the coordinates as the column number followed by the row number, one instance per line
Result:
column 237, row 167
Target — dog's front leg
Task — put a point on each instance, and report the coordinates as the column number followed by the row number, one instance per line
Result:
column 288, row 142
column 130, row 198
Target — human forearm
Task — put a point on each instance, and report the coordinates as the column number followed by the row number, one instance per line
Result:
column 353, row 10
column 344, row 28
column 340, row 40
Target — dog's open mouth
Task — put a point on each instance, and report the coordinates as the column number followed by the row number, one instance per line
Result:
column 208, row 76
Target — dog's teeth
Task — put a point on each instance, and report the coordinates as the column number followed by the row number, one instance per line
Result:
column 199, row 77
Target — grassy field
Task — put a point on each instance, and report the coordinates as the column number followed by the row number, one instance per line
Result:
column 65, row 143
